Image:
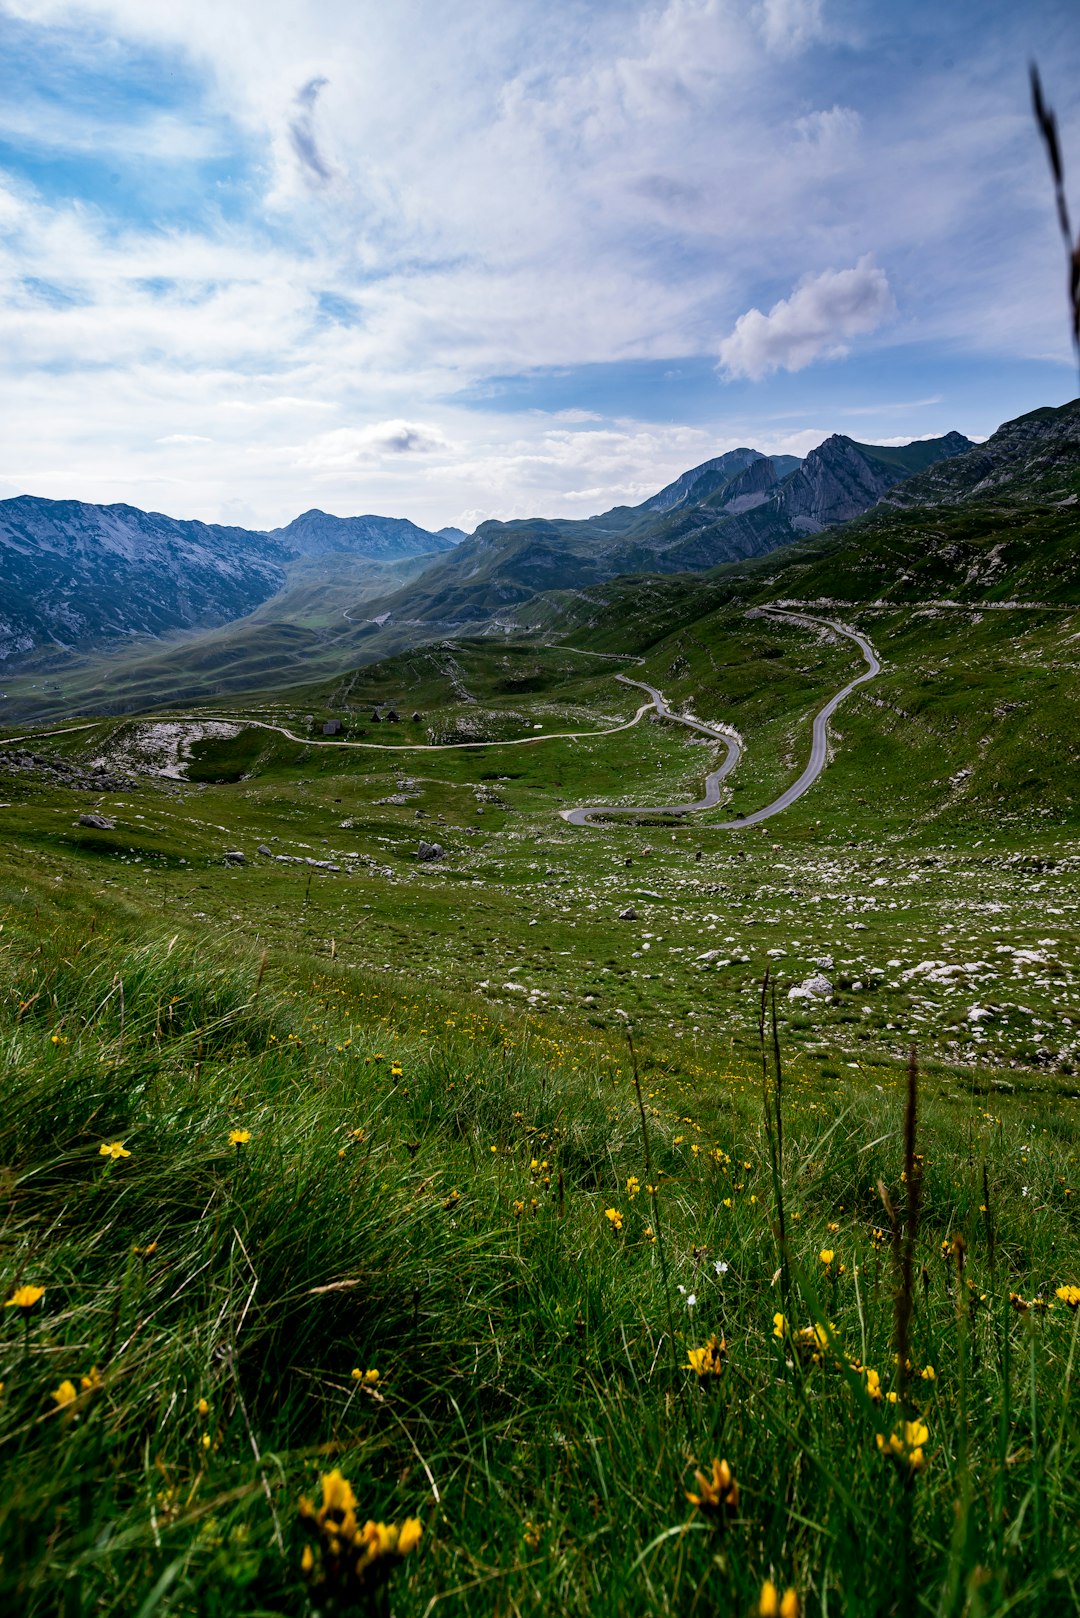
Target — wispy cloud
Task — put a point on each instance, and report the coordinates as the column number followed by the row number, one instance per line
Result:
column 314, row 166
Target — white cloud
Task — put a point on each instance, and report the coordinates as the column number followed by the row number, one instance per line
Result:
column 487, row 191
column 789, row 25
column 821, row 315
column 351, row 446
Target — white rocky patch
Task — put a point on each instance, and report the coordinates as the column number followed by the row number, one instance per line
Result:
column 163, row 748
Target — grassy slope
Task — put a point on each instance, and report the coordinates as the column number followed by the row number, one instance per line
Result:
column 530, row 1408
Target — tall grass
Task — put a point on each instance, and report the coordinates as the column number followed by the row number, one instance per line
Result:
column 425, row 1193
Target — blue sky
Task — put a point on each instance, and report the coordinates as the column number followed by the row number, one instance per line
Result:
column 496, row 260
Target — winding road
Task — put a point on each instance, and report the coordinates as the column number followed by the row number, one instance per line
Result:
column 733, row 742
column 586, row 814
column 819, row 747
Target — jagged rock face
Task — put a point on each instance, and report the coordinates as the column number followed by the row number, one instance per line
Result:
column 80, row 574
column 382, row 539
column 751, row 488
column 1036, row 456
column 835, row 483
column 701, row 481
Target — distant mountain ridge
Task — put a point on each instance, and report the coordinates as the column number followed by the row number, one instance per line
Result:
column 733, row 507
column 317, row 533
column 78, row 575
column 992, row 521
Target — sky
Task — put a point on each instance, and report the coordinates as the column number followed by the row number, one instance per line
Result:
column 505, row 258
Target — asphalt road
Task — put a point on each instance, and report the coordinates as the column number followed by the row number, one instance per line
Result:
column 819, row 747
column 583, row 816
column 580, row 817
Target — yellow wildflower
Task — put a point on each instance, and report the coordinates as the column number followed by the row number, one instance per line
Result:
column 826, row 1256
column 719, row 1493
column 779, row 1325
column 633, row 1186
column 614, row 1218
column 65, row 1394
column 905, row 1444
column 409, row 1535
column 92, row 1380
column 203, row 1407
column 24, row 1297
column 1069, row 1295
column 368, row 1378
column 709, row 1360
column 771, row 1604
column 239, row 1137
column 354, row 1558
column 114, row 1150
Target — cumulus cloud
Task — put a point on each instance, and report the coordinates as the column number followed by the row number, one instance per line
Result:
column 821, row 315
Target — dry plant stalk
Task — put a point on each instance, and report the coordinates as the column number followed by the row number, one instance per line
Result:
column 1048, row 129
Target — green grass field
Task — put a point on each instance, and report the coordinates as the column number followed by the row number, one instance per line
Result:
column 442, row 1175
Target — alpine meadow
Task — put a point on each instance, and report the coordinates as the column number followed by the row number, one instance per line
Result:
column 541, row 1053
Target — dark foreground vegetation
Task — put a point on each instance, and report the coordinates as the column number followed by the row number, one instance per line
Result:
column 236, row 1189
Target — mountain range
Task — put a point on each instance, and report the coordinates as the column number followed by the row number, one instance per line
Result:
column 739, row 505
column 77, row 575
column 326, row 593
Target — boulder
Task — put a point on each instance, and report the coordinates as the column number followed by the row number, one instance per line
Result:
column 234, row 856
column 97, row 822
column 430, row 851
column 629, row 914
column 816, row 987
column 262, row 849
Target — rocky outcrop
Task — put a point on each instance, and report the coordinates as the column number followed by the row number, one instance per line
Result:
column 1035, row 457
column 838, row 481
column 702, row 480
column 835, row 483
column 751, row 488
